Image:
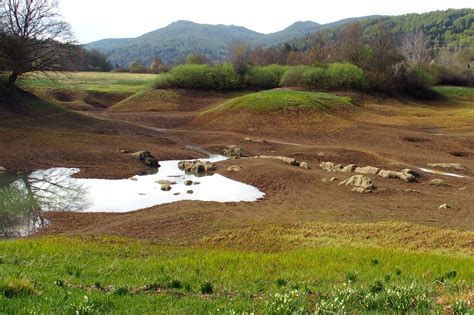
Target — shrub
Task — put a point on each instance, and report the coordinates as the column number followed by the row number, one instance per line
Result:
column 206, row 288
column 315, row 78
column 351, row 277
column 281, row 282
column 345, row 75
column 294, row 76
column 205, row 77
column 266, row 77
column 175, row 284
column 17, row 287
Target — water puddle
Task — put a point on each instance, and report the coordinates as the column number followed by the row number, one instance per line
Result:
column 426, row 170
column 23, row 198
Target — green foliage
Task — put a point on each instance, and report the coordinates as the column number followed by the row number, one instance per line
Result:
column 16, row 287
column 203, row 77
column 345, row 75
column 294, row 76
column 265, row 77
column 206, row 288
column 316, row 78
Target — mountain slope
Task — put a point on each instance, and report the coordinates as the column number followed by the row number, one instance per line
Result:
column 183, row 37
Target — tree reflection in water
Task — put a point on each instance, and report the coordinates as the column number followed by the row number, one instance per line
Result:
column 24, row 197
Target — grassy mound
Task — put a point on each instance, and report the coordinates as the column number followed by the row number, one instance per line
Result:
column 116, row 275
column 150, row 100
column 275, row 100
column 456, row 92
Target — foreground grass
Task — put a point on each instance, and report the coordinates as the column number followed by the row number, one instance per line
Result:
column 105, row 82
column 74, row 275
column 280, row 99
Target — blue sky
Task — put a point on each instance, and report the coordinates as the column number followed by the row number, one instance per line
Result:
column 96, row 19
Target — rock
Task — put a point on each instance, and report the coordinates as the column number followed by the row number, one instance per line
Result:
column 177, row 194
column 438, row 182
column 188, row 182
column 305, row 165
column 196, row 167
column 147, row 158
column 327, row 166
column 190, row 192
column 233, row 151
column 413, row 191
column 407, row 177
column 2, row 169
column 253, row 140
column 133, row 179
column 196, row 183
column 360, row 190
column 463, row 188
column 359, row 181
column 444, row 206
column 124, row 151
column 412, row 172
column 234, row 168
column 165, row 187
column 321, row 154
column 349, row 168
column 163, row 182
column 286, row 160
column 324, row 180
column 333, row 179
column 454, row 166
column 367, row 170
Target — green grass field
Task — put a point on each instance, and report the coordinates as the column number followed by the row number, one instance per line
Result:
column 279, row 99
column 89, row 81
column 90, row 275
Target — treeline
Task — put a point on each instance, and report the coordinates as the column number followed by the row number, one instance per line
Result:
column 351, row 60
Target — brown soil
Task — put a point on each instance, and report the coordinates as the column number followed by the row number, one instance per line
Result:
column 378, row 132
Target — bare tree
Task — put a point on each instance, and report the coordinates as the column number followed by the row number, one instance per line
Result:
column 415, row 48
column 33, row 37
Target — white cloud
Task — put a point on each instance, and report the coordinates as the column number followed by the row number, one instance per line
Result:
column 97, row 19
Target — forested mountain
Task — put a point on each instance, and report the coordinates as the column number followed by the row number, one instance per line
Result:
column 450, row 27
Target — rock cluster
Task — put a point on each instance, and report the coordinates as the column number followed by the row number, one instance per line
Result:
column 196, row 167
column 287, row 160
column 147, row 158
column 233, row 151
column 453, row 166
column 406, row 175
column 362, row 184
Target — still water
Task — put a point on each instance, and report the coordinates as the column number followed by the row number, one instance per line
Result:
column 24, row 198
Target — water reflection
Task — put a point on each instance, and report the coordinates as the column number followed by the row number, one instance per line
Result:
column 23, row 197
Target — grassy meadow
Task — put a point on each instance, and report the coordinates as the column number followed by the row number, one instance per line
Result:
column 106, row 274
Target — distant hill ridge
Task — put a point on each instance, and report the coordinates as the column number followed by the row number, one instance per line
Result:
column 184, row 37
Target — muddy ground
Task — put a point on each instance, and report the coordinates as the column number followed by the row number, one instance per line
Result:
column 383, row 132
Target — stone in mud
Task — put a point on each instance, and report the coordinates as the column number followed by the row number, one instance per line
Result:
column 453, row 166
column 407, row 177
column 190, row 192
column 165, row 187
column 234, row 168
column 359, row 181
column 196, row 167
column 349, row 168
column 371, row 170
column 444, row 206
column 163, row 182
column 305, row 165
column 286, row 160
column 233, row 151
column 439, row 182
column 333, row 179
column 188, row 182
column 147, row 158
column 124, row 151
column 412, row 172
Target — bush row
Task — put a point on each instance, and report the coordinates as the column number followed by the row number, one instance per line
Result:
column 321, row 77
